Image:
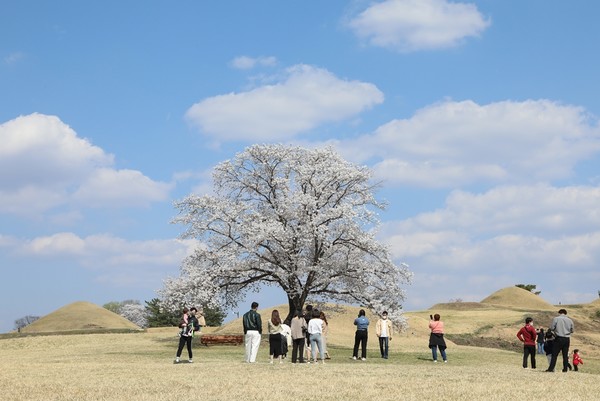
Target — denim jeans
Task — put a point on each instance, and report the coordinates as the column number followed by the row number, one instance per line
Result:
column 384, row 346
column 316, row 341
column 434, row 353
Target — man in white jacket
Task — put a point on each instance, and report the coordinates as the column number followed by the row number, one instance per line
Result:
column 384, row 332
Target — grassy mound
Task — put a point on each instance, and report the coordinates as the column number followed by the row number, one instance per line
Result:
column 518, row 298
column 80, row 317
column 459, row 306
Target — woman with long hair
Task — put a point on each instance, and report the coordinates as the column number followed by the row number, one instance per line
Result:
column 275, row 330
column 324, row 335
column 315, row 330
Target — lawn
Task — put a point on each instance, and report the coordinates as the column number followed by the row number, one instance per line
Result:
column 139, row 366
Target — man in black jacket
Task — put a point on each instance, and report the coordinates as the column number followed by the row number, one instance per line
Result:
column 252, row 331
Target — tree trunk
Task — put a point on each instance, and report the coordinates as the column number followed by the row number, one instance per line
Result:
column 295, row 302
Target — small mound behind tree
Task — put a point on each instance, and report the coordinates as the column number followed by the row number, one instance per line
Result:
column 518, row 298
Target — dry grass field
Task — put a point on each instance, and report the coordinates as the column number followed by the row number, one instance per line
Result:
column 139, row 366
column 484, row 359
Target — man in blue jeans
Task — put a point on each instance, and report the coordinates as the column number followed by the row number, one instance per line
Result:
column 361, row 336
column 562, row 327
column 383, row 329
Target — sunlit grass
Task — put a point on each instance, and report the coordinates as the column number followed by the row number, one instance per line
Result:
column 140, row 367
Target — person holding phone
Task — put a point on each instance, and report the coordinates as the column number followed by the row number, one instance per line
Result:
column 361, row 336
column 436, row 338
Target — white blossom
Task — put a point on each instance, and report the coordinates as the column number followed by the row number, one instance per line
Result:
column 135, row 313
column 296, row 218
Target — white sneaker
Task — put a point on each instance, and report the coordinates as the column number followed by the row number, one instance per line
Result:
column 177, row 359
column 190, row 361
column 435, row 361
column 354, row 358
column 364, row 359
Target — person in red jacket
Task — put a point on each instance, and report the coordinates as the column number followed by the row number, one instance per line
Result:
column 576, row 360
column 527, row 336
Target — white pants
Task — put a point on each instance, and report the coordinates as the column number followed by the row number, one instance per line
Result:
column 252, row 343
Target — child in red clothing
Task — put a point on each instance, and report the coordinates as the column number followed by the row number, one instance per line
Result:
column 576, row 360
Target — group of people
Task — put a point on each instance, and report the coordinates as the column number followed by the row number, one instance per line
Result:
column 556, row 340
column 306, row 333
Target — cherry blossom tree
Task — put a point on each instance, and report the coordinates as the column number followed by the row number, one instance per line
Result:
column 135, row 313
column 296, row 218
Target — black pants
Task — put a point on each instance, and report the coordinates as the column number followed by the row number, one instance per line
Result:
column 185, row 340
column 298, row 346
column 529, row 350
column 561, row 344
column 360, row 337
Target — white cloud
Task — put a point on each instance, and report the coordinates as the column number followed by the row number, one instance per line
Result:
column 307, row 97
column 58, row 244
column 105, row 254
column 539, row 210
column 412, row 25
column 453, row 144
column 246, row 63
column 14, row 58
column 45, row 164
column 504, row 236
column 120, row 187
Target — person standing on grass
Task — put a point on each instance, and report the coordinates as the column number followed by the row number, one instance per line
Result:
column 307, row 316
column 315, row 330
column 576, row 360
column 540, row 341
column 563, row 327
column 189, row 327
column 286, row 338
column 275, row 330
column 324, row 336
column 383, row 329
column 299, row 328
column 436, row 338
column 527, row 335
column 361, row 336
column 252, row 332
column 548, row 345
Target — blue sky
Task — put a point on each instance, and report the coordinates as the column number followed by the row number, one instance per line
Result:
column 480, row 117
